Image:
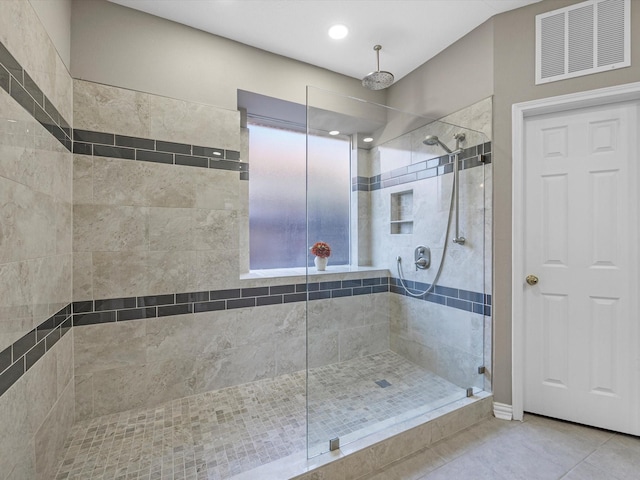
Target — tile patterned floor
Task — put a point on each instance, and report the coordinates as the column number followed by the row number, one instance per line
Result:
column 537, row 449
column 218, row 434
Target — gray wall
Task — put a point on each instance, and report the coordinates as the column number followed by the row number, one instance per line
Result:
column 514, row 62
column 122, row 47
column 459, row 76
column 504, row 51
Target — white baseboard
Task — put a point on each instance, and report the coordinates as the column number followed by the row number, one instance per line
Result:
column 502, row 411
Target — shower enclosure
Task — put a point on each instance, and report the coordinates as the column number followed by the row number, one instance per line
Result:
column 403, row 327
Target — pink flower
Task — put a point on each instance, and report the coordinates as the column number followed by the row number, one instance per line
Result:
column 321, row 249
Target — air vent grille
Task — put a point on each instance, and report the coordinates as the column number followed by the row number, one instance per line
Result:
column 585, row 38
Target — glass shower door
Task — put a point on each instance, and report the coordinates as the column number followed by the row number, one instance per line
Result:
column 386, row 341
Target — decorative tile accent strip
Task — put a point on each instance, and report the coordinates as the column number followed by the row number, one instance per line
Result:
column 469, row 158
column 26, row 351
column 16, row 359
column 475, row 302
column 102, row 144
column 18, row 83
column 136, row 308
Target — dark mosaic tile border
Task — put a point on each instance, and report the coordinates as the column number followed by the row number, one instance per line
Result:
column 135, row 308
column 100, row 144
column 16, row 359
column 469, row 158
column 15, row 80
column 467, row 300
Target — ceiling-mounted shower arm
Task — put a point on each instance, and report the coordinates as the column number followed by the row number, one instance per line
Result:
column 379, row 79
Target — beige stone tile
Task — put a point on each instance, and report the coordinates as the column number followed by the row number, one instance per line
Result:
column 219, row 190
column 82, row 179
column 110, row 228
column 174, row 336
column 323, row 349
column 120, row 274
column 15, row 321
column 110, row 109
column 361, row 341
column 15, row 440
column 49, row 439
column 216, row 269
column 60, row 163
column 337, row 314
column 586, row 471
column 82, row 276
column 109, row 346
column 83, row 396
column 358, row 464
column 28, row 219
column 193, row 123
column 169, row 272
column 50, row 280
column 215, row 229
column 27, row 40
column 119, row 389
column 170, row 379
column 64, row 362
column 412, row 467
column 459, row 367
column 64, row 227
column 170, row 229
column 41, row 386
column 235, row 366
column 215, row 329
column 25, row 466
column 461, row 467
column 123, row 182
column 333, row 471
column 290, row 354
column 619, row 457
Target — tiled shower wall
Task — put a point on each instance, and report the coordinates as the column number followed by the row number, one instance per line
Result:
column 36, row 365
column 160, row 241
column 449, row 333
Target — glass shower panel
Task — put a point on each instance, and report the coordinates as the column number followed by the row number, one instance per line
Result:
column 388, row 341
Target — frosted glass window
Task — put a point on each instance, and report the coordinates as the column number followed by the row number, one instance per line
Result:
column 277, row 197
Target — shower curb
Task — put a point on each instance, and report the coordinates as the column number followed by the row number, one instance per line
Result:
column 374, row 452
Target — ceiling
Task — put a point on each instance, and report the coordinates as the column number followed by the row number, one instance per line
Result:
column 410, row 31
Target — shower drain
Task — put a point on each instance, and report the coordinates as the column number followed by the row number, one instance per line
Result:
column 383, row 383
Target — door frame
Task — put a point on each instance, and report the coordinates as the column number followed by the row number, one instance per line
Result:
column 520, row 112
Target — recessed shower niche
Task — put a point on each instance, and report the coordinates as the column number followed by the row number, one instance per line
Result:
column 402, row 212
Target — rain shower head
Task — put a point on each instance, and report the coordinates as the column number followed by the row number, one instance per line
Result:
column 434, row 140
column 377, row 80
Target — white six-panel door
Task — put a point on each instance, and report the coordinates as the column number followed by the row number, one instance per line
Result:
column 581, row 242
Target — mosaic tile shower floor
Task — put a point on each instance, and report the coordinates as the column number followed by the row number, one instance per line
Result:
column 218, row 434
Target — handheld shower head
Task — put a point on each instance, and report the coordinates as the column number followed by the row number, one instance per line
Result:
column 434, row 140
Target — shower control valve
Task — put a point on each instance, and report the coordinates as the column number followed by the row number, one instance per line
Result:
column 422, row 257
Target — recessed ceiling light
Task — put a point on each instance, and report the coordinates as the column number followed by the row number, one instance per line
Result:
column 368, row 139
column 334, row 132
column 218, row 154
column 338, row 32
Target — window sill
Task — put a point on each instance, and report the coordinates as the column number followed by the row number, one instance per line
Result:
column 339, row 271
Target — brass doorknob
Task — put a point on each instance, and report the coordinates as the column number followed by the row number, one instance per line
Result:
column 532, row 280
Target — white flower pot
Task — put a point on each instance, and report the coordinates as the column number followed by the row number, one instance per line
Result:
column 320, row 263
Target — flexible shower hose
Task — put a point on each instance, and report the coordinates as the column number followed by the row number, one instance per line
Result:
column 444, row 252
